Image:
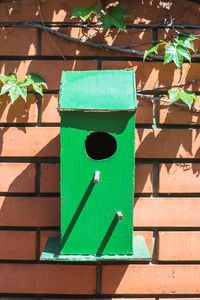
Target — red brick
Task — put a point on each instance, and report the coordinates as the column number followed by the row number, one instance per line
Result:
column 179, row 246
column 112, row 37
column 174, row 114
column 19, row 11
column 44, row 235
column 144, row 112
column 151, row 279
column 179, row 178
column 13, row 41
column 50, row 178
column 180, row 298
column 102, row 298
column 166, row 212
column 17, row 177
column 49, row 112
column 36, row 141
column 47, row 279
column 143, row 178
column 20, row 111
column 61, row 11
column 153, row 74
column 50, row 70
column 18, row 245
column 29, row 211
column 180, row 11
column 153, row 11
column 148, row 236
column 149, row 12
column 18, row 298
column 167, row 143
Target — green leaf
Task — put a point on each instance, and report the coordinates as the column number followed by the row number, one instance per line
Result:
column 37, row 79
column 169, row 53
column 153, row 48
column 14, row 93
column 23, row 91
column 179, row 49
column 12, row 77
column 38, row 88
column 186, row 96
column 184, row 52
column 27, row 81
column 6, row 88
column 185, row 39
column 83, row 12
column 174, row 53
column 174, row 95
column 115, row 17
column 16, row 89
column 3, row 78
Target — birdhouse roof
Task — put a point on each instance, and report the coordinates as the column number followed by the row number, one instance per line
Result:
column 110, row 90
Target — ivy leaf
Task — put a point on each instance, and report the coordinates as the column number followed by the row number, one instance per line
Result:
column 83, row 12
column 14, row 93
column 115, row 17
column 186, row 96
column 27, row 81
column 153, row 48
column 3, row 78
column 185, row 39
column 12, row 77
column 179, row 49
column 184, row 52
column 174, row 95
column 35, row 78
column 6, row 88
column 172, row 53
column 37, row 88
column 23, row 92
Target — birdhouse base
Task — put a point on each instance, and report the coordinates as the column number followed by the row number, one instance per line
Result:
column 51, row 252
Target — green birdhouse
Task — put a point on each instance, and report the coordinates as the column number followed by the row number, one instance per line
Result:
column 97, row 164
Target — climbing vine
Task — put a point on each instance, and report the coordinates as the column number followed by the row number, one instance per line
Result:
column 176, row 49
column 114, row 15
column 179, row 48
column 16, row 89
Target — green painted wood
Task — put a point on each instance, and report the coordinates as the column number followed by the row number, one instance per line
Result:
column 98, row 90
column 51, row 252
column 88, row 211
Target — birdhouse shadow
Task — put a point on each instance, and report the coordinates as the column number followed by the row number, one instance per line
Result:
column 78, row 211
column 108, row 121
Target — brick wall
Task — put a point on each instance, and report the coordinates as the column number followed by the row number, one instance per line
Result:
column 167, row 204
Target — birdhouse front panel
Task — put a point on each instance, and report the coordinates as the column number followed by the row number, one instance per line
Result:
column 96, row 213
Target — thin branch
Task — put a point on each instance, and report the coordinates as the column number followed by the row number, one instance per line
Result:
column 89, row 43
column 96, row 45
column 166, row 101
column 158, row 87
column 50, row 38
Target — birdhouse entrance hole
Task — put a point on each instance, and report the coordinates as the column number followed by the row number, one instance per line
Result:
column 100, row 145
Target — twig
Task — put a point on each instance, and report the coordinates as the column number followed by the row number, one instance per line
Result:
column 89, row 43
column 50, row 38
column 166, row 101
column 158, row 87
